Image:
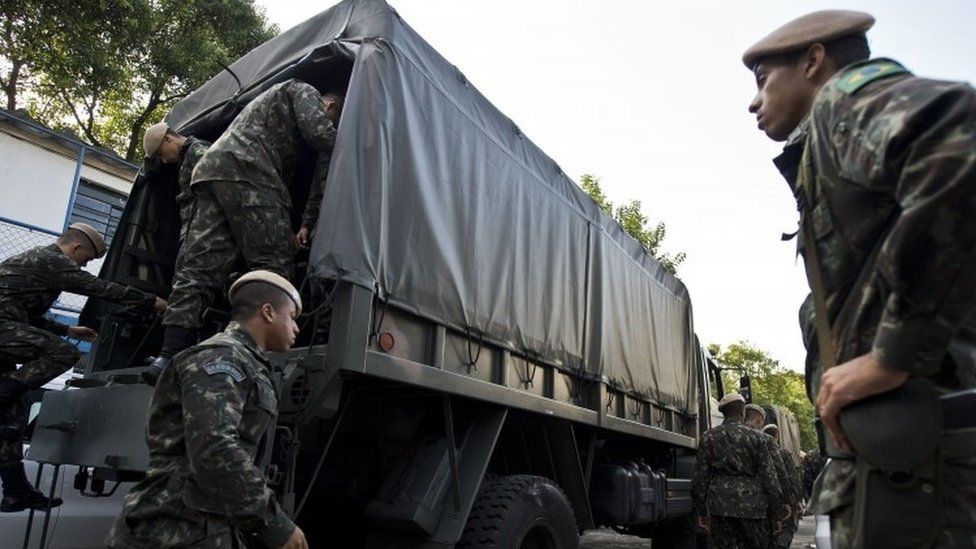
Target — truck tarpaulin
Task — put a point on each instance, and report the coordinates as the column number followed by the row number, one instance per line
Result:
column 440, row 204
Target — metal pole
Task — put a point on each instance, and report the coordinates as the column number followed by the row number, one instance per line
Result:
column 50, row 498
column 30, row 516
column 74, row 186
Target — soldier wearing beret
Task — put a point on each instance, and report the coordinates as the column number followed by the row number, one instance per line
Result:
column 736, row 491
column 883, row 168
column 242, row 191
column 209, row 414
column 29, row 284
column 756, row 419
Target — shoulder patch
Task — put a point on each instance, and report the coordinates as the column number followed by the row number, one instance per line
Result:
column 226, row 368
column 864, row 75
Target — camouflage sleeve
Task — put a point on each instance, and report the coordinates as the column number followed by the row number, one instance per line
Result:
column 317, row 190
column 699, row 490
column 769, row 478
column 52, row 326
column 69, row 277
column 314, row 125
column 226, row 475
column 930, row 252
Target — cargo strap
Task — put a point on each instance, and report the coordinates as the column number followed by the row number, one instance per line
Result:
column 959, row 444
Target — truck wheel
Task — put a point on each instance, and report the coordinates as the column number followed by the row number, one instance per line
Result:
column 520, row 512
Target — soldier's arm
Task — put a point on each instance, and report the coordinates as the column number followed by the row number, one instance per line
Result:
column 231, row 484
column 769, row 478
column 72, row 278
column 929, row 255
column 52, row 326
column 313, row 123
column 699, row 490
column 317, row 190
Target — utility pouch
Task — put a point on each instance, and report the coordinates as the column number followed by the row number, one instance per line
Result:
column 896, row 437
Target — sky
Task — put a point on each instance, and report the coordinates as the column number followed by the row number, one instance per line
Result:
column 652, row 98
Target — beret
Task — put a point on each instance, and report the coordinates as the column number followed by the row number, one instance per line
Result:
column 819, row 26
column 770, row 427
column 269, row 278
column 729, row 399
column 97, row 242
column 756, row 408
column 153, row 137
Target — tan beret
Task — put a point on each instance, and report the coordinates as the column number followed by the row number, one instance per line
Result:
column 270, row 278
column 770, row 427
column 819, row 26
column 154, row 137
column 97, row 242
column 756, row 408
column 729, row 399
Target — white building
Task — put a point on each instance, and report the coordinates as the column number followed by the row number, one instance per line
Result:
column 49, row 180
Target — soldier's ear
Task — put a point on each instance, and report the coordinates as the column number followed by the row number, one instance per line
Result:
column 267, row 313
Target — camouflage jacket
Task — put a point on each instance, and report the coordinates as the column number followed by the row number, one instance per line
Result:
column 794, row 493
column 32, row 280
column 735, row 474
column 317, row 189
column 813, row 463
column 263, row 145
column 209, row 413
column 190, row 155
column 886, row 165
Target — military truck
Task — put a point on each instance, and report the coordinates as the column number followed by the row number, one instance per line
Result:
column 486, row 357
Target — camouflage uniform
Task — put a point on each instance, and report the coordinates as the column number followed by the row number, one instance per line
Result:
column 736, row 486
column 204, row 487
column 892, row 152
column 791, row 495
column 191, row 153
column 243, row 203
column 813, row 463
column 29, row 284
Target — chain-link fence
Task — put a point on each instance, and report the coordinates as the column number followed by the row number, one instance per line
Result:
column 18, row 237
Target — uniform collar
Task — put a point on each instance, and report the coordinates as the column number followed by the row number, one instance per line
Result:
column 186, row 147
column 788, row 162
column 730, row 421
column 236, row 330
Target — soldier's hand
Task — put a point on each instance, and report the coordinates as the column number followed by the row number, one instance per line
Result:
column 296, row 541
column 160, row 305
column 705, row 523
column 303, row 238
column 787, row 511
column 777, row 527
column 850, row 382
column 83, row 333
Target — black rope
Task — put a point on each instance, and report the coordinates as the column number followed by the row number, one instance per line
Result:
column 377, row 324
column 473, row 362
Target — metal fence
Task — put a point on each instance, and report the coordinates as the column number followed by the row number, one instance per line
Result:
column 16, row 237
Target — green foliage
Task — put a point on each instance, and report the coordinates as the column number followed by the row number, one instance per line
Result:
column 771, row 383
column 109, row 68
column 633, row 220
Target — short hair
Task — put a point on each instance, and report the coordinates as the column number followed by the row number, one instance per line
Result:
column 249, row 298
column 734, row 408
column 847, row 50
column 171, row 131
column 74, row 236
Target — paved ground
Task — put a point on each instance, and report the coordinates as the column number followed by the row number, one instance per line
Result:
column 608, row 539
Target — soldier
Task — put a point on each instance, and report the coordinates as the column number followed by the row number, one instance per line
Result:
column 171, row 148
column 813, row 463
column 736, row 491
column 29, row 284
column 243, row 202
column 791, row 485
column 882, row 165
column 756, row 419
column 209, row 414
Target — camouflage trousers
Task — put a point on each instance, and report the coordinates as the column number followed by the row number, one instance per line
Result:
column 233, row 221
column 738, row 533
column 170, row 533
column 785, row 537
column 44, row 356
column 959, row 511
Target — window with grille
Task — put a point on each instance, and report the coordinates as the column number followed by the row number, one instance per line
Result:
column 99, row 207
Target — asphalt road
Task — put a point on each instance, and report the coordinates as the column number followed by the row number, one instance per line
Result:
column 608, row 539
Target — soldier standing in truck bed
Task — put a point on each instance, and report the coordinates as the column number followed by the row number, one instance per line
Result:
column 243, row 202
column 29, row 284
column 736, row 491
column 883, row 166
column 208, row 417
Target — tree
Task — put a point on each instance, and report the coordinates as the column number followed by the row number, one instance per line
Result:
column 771, row 383
column 633, row 220
column 109, row 68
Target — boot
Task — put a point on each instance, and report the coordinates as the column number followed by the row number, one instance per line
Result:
column 18, row 494
column 155, row 369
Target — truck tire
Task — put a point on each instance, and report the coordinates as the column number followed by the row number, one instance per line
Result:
column 520, row 512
